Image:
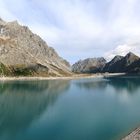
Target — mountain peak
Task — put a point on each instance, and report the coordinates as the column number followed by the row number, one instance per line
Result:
column 27, row 54
column 89, row 65
column 131, row 55
column 117, row 57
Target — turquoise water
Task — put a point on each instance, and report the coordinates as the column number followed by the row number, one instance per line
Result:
column 88, row 109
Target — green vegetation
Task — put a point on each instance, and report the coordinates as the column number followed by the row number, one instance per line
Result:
column 4, row 71
column 22, row 71
column 15, row 71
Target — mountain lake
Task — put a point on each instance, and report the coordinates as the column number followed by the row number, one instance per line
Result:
column 82, row 109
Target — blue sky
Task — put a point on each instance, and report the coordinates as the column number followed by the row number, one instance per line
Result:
column 78, row 29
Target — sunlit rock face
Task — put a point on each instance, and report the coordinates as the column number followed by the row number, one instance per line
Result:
column 89, row 65
column 25, row 53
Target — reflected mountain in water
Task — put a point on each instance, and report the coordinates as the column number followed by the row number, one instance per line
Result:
column 23, row 102
column 90, row 84
column 131, row 84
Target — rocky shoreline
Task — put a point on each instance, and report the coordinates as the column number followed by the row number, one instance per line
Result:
column 134, row 135
column 76, row 76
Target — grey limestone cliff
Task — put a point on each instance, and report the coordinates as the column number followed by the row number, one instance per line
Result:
column 89, row 65
column 25, row 53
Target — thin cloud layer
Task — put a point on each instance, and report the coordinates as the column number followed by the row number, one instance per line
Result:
column 123, row 50
column 80, row 28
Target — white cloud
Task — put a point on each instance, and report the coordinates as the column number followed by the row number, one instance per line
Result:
column 80, row 28
column 124, row 49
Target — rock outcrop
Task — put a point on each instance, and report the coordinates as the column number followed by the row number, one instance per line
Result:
column 25, row 53
column 111, row 66
column 129, row 63
column 90, row 65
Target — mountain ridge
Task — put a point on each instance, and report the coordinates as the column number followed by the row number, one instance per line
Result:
column 119, row 64
column 23, row 53
column 89, row 65
column 123, row 64
column 21, row 50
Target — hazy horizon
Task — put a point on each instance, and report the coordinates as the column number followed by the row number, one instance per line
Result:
column 79, row 29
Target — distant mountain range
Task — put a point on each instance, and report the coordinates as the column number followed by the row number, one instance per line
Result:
column 119, row 64
column 128, row 64
column 24, row 53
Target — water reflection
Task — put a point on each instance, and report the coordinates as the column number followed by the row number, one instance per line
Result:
column 23, row 102
column 90, row 84
column 130, row 84
column 40, row 110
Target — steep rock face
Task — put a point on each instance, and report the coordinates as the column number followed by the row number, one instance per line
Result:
column 111, row 66
column 90, row 65
column 134, row 67
column 122, row 64
column 26, row 53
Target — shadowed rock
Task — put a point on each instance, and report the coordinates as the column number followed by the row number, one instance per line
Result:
column 122, row 64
